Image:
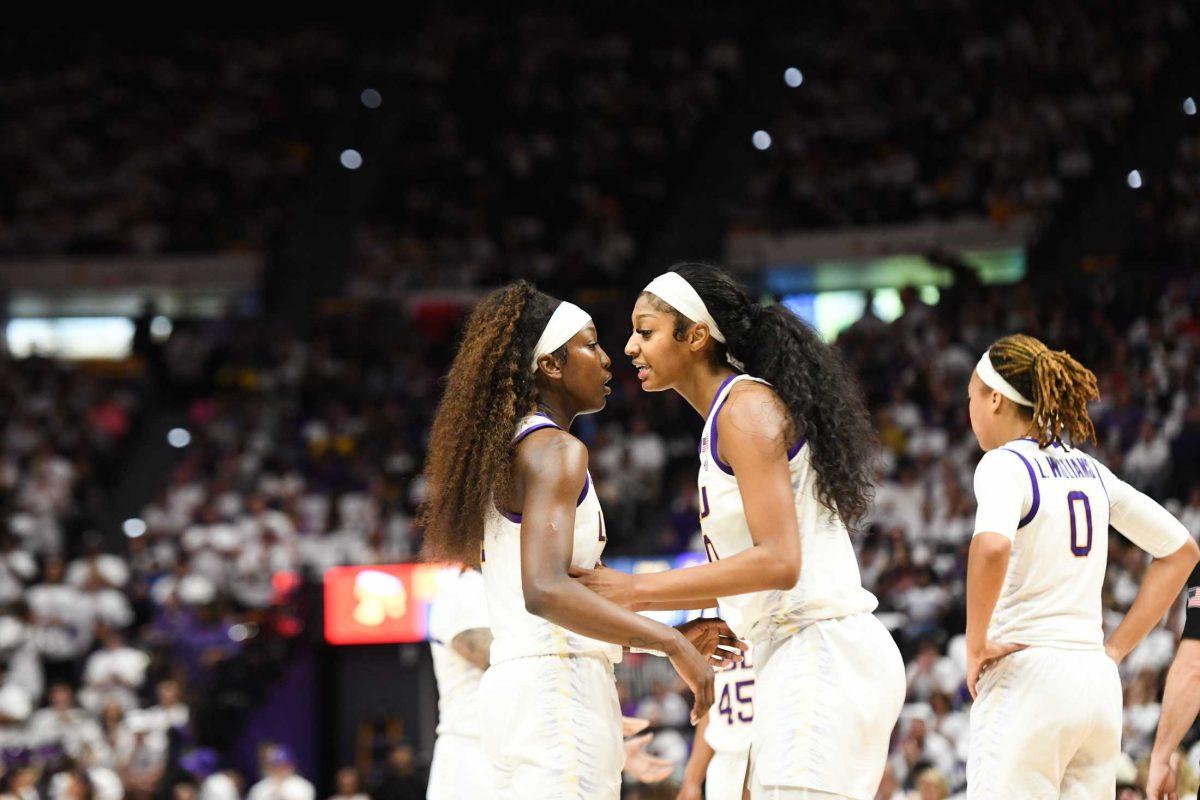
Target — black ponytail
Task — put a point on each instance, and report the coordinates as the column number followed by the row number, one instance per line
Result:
column 824, row 401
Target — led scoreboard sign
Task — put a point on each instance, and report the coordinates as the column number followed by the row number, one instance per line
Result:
column 389, row 603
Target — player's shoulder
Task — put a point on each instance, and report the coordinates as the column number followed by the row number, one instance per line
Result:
column 753, row 407
column 999, row 462
column 551, row 449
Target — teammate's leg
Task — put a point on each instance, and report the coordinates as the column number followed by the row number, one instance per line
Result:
column 726, row 776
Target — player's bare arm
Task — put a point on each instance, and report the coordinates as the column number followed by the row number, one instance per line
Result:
column 753, row 429
column 987, row 564
column 552, row 468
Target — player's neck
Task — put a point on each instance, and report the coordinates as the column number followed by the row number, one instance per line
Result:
column 700, row 388
column 1017, row 428
column 558, row 411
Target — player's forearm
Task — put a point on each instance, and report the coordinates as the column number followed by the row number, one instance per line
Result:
column 1181, row 700
column 678, row 605
column 987, row 563
column 567, row 603
column 1161, row 584
column 753, row 570
column 702, row 753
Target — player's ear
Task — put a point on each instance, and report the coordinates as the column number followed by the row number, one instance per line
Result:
column 549, row 365
column 697, row 336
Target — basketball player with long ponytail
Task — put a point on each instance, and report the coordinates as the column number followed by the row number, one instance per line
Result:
column 508, row 486
column 785, row 471
column 1047, row 716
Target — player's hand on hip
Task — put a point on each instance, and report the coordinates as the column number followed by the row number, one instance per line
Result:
column 696, row 671
column 1160, row 780
column 715, row 641
column 979, row 662
column 612, row 584
column 643, row 767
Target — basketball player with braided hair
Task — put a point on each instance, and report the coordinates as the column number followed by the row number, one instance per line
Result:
column 509, row 489
column 1047, row 715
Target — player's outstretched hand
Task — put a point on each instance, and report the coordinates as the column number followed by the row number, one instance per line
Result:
column 715, row 641
column 983, row 660
column 643, row 767
column 632, row 725
column 610, row 583
column 1160, row 781
column 696, row 672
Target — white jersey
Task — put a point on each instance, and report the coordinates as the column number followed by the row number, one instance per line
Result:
column 1056, row 506
column 517, row 633
column 732, row 712
column 829, row 585
column 459, row 605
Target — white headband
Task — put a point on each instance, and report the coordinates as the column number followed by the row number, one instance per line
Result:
column 988, row 374
column 566, row 321
column 674, row 290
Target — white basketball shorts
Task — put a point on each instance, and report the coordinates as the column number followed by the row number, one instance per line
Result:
column 1047, row 723
column 459, row 769
column 825, row 703
column 552, row 728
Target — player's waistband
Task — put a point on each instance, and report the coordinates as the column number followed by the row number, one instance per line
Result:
column 1066, row 647
column 602, row 655
column 774, row 634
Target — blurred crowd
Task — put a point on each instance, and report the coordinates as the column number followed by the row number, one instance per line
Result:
column 897, row 121
column 139, row 145
column 127, row 665
column 1168, row 211
column 539, row 145
column 525, row 147
column 307, row 454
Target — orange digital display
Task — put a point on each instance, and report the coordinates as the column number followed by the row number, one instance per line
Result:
column 381, row 604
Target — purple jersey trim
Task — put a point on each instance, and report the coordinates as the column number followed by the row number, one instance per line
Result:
column 1037, row 493
column 517, row 439
column 1034, row 440
column 720, row 389
column 712, row 441
column 712, row 446
column 796, row 448
column 587, row 483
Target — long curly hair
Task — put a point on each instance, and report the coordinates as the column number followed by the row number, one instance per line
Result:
column 824, row 401
column 1059, row 386
column 488, row 390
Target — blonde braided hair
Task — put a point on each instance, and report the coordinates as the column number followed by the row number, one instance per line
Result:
column 1059, row 386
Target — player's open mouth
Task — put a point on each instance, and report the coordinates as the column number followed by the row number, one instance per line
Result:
column 642, row 371
column 607, row 388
